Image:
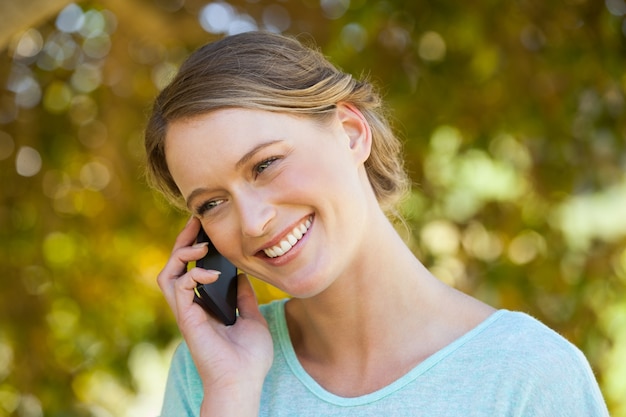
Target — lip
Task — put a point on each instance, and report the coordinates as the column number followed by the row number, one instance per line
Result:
column 282, row 236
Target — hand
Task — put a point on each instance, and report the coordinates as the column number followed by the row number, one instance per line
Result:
column 229, row 359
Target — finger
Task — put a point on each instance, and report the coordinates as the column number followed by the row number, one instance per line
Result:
column 246, row 299
column 176, row 269
column 177, row 263
column 188, row 235
column 187, row 283
column 183, row 288
column 187, row 313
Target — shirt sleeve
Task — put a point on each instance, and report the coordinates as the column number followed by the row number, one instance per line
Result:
column 183, row 391
column 569, row 389
column 563, row 384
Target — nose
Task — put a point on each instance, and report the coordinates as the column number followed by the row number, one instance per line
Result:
column 255, row 213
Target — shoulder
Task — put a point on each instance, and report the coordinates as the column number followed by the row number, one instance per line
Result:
column 516, row 333
column 514, row 346
column 520, row 343
column 541, row 368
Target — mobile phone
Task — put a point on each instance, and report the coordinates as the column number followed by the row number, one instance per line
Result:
column 220, row 297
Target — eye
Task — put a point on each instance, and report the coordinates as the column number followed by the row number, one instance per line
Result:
column 208, row 206
column 263, row 165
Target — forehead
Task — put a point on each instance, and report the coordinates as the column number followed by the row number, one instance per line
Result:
column 229, row 129
column 211, row 143
column 229, row 123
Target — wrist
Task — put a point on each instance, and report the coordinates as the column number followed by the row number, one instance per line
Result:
column 241, row 400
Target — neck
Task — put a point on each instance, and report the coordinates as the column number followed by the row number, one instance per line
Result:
column 363, row 309
column 378, row 320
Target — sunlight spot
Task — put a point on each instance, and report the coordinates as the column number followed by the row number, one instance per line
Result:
column 93, row 134
column 60, row 50
column 63, row 317
column 446, row 140
column 507, row 149
column 599, row 215
column 30, row 44
column 56, row 184
column 354, row 36
column 532, row 38
column 526, row 246
column 70, row 19
column 240, row 24
column 149, row 368
column 36, row 280
column 216, row 17
column 57, row 97
column 440, row 237
column 27, row 162
column 432, row 47
column 334, row 9
column 616, row 7
column 97, row 47
column 27, row 91
column 86, row 78
column 102, row 391
column 449, row 270
column 480, row 243
column 487, row 178
column 94, row 24
column 95, row 175
column 83, row 109
column 395, row 38
column 7, row 145
column 59, row 249
column 162, row 74
column 9, row 398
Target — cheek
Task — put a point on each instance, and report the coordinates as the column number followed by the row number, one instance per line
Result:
column 317, row 168
column 224, row 236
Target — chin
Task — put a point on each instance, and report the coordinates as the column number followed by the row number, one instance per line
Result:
column 303, row 288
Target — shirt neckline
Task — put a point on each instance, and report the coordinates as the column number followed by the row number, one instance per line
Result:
column 289, row 354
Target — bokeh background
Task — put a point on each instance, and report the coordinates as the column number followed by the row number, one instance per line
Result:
column 513, row 118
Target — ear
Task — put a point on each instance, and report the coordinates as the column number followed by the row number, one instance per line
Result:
column 357, row 129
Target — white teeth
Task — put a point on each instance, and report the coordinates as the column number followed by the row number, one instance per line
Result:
column 289, row 241
column 285, row 246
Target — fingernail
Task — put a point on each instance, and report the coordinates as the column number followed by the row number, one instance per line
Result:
column 213, row 271
column 200, row 245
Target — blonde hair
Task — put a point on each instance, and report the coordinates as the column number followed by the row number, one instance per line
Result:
column 266, row 71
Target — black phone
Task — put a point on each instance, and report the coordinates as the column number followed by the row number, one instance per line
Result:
column 220, row 297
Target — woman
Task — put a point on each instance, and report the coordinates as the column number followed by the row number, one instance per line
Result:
column 291, row 168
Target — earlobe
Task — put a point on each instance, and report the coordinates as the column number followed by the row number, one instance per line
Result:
column 357, row 129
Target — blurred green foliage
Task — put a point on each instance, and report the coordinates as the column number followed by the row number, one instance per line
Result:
column 512, row 113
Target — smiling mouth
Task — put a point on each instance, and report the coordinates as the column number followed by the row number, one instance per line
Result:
column 290, row 240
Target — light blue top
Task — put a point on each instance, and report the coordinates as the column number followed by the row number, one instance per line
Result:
column 510, row 365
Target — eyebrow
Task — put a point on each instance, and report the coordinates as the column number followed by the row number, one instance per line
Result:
column 242, row 161
column 250, row 154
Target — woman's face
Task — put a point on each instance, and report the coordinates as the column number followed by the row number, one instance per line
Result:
column 283, row 197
